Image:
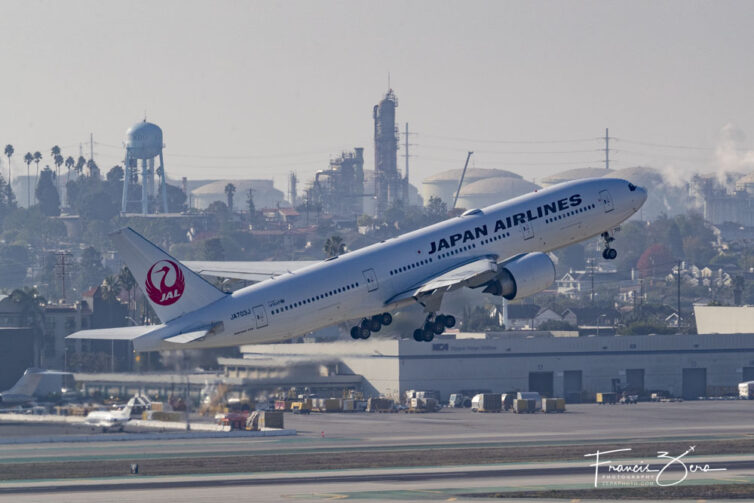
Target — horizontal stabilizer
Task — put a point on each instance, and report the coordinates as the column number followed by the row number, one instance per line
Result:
column 115, row 334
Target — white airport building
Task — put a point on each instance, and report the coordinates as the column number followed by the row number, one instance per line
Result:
column 688, row 366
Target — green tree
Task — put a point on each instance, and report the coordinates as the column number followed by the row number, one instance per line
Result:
column 47, row 194
column 212, row 249
column 128, row 283
column 230, row 191
column 28, row 159
column 334, row 246
column 93, row 168
column 92, row 270
column 69, row 164
column 436, row 210
column 7, row 200
column 37, row 157
column 15, row 260
column 80, row 164
column 9, row 153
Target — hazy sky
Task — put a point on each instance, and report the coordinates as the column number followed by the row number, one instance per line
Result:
column 257, row 89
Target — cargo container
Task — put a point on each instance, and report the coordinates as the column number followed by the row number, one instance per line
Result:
column 333, row 405
column 507, row 400
column 380, row 405
column 349, row 405
column 459, row 400
column 487, row 402
column 423, row 405
column 524, row 406
column 553, row 405
column 746, row 390
column 271, row 419
column 605, row 398
column 531, row 395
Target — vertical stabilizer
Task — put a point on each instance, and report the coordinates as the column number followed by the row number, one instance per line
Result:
column 172, row 288
column 28, row 383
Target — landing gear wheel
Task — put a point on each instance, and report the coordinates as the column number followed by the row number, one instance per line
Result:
column 437, row 326
column 356, row 332
column 364, row 333
column 609, row 253
column 428, row 334
column 386, row 319
column 450, row 321
column 418, row 335
column 374, row 324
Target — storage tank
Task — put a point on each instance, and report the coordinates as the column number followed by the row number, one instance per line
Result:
column 489, row 191
column 444, row 185
column 574, row 174
column 264, row 193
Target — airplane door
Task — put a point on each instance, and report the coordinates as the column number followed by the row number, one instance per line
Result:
column 371, row 279
column 607, row 201
column 261, row 316
column 527, row 230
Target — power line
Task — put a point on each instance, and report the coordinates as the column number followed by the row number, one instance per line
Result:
column 506, row 152
column 451, row 138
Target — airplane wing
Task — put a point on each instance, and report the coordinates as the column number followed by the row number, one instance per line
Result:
column 471, row 274
column 249, row 271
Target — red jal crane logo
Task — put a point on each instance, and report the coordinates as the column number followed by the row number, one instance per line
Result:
column 165, row 294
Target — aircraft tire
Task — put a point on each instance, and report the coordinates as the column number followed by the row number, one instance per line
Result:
column 356, row 332
column 418, row 335
column 364, row 333
column 450, row 320
column 428, row 335
column 386, row 319
column 612, row 253
column 437, row 327
column 374, row 324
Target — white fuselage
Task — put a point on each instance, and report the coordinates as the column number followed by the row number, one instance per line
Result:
column 363, row 282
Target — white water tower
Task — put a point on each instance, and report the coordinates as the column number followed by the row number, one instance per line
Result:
column 144, row 143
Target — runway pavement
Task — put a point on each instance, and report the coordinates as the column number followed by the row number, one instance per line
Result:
column 367, row 435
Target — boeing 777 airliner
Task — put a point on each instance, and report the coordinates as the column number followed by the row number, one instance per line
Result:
column 501, row 249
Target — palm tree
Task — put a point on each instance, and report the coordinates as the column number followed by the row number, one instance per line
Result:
column 58, row 160
column 69, row 163
column 110, row 287
column 55, row 150
column 93, row 168
column 230, row 189
column 128, row 283
column 80, row 163
column 28, row 158
column 37, row 158
column 8, row 153
column 334, row 246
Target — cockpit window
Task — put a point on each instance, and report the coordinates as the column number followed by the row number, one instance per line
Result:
column 631, row 187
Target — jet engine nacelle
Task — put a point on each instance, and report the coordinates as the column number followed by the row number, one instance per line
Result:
column 523, row 276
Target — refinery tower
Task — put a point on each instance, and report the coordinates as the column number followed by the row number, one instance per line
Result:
column 389, row 186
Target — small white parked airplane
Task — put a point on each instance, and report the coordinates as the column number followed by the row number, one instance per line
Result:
column 500, row 249
column 115, row 419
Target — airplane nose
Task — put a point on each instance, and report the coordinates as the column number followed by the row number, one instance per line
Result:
column 642, row 192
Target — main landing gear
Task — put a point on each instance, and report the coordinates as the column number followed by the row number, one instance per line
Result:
column 608, row 253
column 368, row 325
column 435, row 325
